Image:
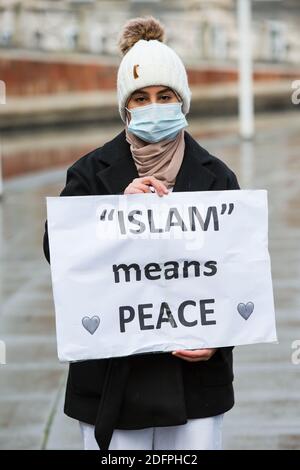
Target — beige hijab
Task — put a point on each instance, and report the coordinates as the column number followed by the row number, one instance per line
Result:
column 160, row 159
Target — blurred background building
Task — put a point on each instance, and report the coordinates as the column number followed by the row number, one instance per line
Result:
column 59, row 59
column 207, row 28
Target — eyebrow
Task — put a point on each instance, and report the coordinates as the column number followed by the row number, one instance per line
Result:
column 146, row 93
column 164, row 89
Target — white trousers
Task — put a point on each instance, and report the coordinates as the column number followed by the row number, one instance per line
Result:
column 196, row 434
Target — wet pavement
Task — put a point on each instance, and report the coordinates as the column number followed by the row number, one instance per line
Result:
column 267, row 383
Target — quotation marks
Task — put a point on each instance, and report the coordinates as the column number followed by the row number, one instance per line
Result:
column 224, row 207
column 91, row 324
column 245, row 310
column 110, row 215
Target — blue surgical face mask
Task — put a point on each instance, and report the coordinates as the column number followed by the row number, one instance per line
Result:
column 155, row 122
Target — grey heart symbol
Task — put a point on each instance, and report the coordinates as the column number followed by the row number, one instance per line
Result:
column 91, row 324
column 245, row 310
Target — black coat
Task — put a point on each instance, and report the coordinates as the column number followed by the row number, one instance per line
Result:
column 156, row 389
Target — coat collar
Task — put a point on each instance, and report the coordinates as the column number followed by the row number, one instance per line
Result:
column 121, row 170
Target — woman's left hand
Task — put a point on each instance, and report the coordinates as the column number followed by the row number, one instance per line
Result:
column 195, row 354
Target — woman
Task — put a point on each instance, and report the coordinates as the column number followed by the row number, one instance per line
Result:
column 163, row 400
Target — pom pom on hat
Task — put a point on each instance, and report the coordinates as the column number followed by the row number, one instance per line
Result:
column 140, row 28
column 147, row 61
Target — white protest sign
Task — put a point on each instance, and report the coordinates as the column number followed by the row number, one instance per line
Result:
column 141, row 273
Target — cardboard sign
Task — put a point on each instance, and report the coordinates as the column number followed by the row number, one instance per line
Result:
column 140, row 273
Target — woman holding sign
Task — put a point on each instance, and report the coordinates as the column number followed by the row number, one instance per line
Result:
column 164, row 400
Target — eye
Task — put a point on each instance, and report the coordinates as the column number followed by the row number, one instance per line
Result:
column 140, row 99
column 165, row 97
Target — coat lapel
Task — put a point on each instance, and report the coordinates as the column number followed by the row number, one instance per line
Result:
column 121, row 170
column 193, row 174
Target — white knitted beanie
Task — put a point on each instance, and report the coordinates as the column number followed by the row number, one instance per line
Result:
column 148, row 61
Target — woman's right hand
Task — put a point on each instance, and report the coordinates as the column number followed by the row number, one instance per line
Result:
column 142, row 185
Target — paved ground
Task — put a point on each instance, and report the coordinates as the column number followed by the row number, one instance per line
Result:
column 267, row 384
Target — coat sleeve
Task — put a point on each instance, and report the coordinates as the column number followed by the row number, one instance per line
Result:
column 76, row 185
column 232, row 182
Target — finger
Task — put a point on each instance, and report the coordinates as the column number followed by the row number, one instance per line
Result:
column 190, row 359
column 198, row 353
column 142, row 186
column 133, row 190
column 193, row 351
column 159, row 187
